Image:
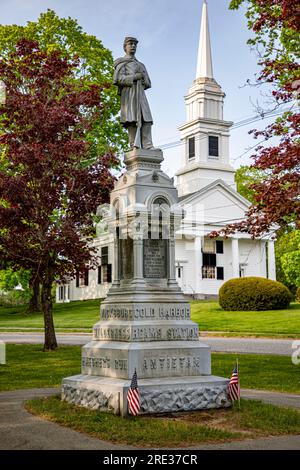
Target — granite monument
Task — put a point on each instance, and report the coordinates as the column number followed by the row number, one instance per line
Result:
column 145, row 320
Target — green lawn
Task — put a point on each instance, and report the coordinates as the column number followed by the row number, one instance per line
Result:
column 208, row 314
column 255, row 419
column 82, row 314
column 211, row 317
column 28, row 367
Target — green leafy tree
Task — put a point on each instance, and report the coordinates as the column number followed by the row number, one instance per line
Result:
column 286, row 248
column 290, row 259
column 245, row 177
column 95, row 67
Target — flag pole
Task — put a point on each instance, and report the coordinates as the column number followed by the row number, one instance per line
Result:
column 237, row 368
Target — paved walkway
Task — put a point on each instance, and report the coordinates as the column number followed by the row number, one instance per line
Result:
column 280, row 347
column 19, row 430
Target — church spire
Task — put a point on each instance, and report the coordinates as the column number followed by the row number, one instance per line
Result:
column 204, row 64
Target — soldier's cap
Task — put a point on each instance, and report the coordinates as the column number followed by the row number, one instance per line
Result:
column 128, row 39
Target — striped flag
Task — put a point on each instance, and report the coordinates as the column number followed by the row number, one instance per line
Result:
column 133, row 396
column 234, row 391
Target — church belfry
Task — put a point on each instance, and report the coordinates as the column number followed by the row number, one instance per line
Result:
column 205, row 135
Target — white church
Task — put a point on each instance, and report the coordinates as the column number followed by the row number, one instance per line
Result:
column 207, row 193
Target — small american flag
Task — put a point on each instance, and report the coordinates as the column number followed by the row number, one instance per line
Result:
column 133, row 396
column 234, row 391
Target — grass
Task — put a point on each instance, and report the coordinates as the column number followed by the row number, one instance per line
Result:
column 82, row 315
column 255, row 419
column 29, row 367
column 261, row 372
column 73, row 315
column 275, row 323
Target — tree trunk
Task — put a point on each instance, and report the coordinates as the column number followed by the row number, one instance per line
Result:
column 35, row 301
column 50, row 343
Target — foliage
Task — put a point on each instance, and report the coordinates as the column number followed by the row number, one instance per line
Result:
column 9, row 280
column 276, row 202
column 94, row 67
column 298, row 294
column 47, row 197
column 253, row 293
column 287, row 259
column 291, row 259
column 245, row 177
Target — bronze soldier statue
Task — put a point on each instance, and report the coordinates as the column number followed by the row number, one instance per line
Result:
column 132, row 80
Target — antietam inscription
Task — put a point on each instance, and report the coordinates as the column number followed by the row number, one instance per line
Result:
column 155, row 259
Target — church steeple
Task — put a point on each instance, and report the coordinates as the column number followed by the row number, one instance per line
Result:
column 204, row 63
column 205, row 134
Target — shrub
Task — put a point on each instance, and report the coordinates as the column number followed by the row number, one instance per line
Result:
column 254, row 293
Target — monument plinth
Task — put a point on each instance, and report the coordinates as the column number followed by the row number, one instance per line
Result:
column 145, row 320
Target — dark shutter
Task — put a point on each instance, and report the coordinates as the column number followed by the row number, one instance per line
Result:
column 77, row 279
column 209, row 259
column 86, row 277
column 109, row 277
column 220, row 273
column 99, row 275
column 213, row 144
column 192, row 147
column 219, row 247
column 104, row 255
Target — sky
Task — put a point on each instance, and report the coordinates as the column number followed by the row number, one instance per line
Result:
column 168, row 33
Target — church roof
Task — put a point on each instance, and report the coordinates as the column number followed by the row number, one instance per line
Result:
column 219, row 182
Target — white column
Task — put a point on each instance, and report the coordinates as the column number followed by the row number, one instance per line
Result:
column 198, row 263
column 271, row 260
column 235, row 257
column 57, row 292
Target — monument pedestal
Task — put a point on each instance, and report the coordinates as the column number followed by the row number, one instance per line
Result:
column 145, row 320
column 164, row 395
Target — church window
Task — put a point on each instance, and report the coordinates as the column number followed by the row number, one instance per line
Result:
column 104, row 255
column 213, row 146
column 105, row 270
column 209, row 259
column 219, row 247
column 192, row 147
column 208, row 272
column 209, row 245
column 82, row 278
column 107, row 277
column 220, row 273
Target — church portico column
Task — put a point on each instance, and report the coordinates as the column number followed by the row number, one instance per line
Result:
column 271, row 260
column 235, row 257
column 198, row 263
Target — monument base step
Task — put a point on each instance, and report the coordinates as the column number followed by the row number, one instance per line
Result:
column 162, row 395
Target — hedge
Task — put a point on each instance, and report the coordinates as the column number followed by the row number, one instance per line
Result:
column 254, row 293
